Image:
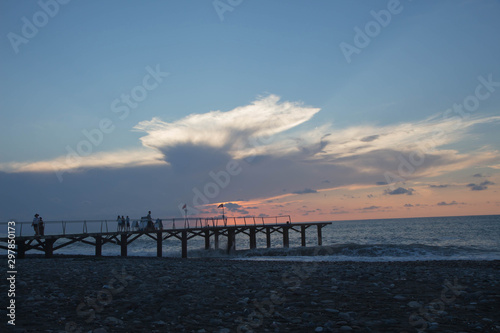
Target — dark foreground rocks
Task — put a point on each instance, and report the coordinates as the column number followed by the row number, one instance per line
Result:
column 112, row 294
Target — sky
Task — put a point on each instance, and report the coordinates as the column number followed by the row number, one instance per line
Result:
column 321, row 110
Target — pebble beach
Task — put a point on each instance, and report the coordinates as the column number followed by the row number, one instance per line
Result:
column 137, row 294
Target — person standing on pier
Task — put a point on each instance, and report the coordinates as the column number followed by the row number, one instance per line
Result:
column 41, row 226
column 149, row 226
column 128, row 223
column 159, row 224
column 119, row 223
column 35, row 224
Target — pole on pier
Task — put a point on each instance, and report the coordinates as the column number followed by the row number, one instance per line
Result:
column 184, row 241
column 98, row 245
column 159, row 248
column 268, row 237
column 320, row 240
column 253, row 238
column 286, row 239
column 49, row 247
column 231, row 241
column 216, row 239
column 207, row 239
column 123, row 244
column 21, row 249
column 303, row 235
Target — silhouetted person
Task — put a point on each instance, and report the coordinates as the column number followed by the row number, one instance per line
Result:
column 35, row 224
column 119, row 223
column 41, row 226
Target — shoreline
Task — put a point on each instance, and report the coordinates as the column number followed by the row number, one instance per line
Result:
column 68, row 293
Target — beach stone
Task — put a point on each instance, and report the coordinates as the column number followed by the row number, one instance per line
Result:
column 414, row 304
column 390, row 321
column 100, row 330
column 113, row 321
column 163, row 279
column 332, row 310
column 306, row 315
column 433, row 326
column 215, row 321
column 345, row 316
column 399, row 297
column 318, row 329
column 346, row 328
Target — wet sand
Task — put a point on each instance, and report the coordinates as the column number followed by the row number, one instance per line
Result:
column 113, row 294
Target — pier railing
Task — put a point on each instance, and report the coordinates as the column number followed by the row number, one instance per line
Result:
column 71, row 227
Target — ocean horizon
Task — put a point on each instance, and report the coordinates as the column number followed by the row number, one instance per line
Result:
column 372, row 240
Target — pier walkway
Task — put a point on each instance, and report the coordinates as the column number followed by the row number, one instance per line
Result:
column 60, row 234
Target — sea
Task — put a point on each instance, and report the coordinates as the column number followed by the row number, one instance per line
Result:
column 380, row 240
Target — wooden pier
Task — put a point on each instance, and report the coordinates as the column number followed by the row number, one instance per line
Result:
column 210, row 233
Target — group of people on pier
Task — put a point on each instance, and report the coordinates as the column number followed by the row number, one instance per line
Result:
column 38, row 225
column 145, row 224
column 123, row 223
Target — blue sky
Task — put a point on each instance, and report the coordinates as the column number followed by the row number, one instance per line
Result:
column 64, row 79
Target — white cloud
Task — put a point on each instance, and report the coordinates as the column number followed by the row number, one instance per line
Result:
column 116, row 159
column 241, row 131
column 425, row 136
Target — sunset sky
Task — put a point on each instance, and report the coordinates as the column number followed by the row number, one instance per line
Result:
column 323, row 110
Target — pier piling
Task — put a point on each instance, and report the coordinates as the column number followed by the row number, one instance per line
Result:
column 184, row 245
column 216, row 239
column 49, row 247
column 21, row 249
column 98, row 245
column 253, row 238
column 231, row 240
column 303, row 235
column 320, row 238
column 123, row 245
column 207, row 239
column 159, row 245
column 286, row 237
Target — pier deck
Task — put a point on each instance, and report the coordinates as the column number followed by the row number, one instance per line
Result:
column 210, row 233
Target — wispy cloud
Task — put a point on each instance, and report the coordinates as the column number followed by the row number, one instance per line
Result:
column 115, row 159
column 443, row 203
column 480, row 187
column 305, row 191
column 400, row 190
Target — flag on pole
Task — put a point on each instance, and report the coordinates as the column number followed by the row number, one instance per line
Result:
column 221, row 205
column 184, row 207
